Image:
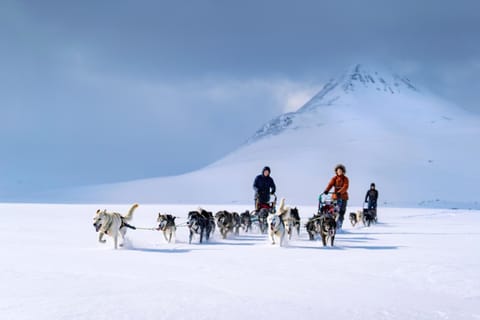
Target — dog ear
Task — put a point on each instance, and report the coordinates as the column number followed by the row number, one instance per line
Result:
column 98, row 211
column 174, row 218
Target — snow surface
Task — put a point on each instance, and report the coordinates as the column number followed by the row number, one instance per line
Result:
column 414, row 264
column 420, row 151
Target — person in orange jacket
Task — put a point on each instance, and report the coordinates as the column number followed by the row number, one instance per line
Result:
column 340, row 184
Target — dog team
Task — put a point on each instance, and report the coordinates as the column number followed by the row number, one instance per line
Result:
column 202, row 223
column 278, row 223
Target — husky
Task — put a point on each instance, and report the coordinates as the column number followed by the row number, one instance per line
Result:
column 210, row 226
column 356, row 217
column 225, row 222
column 200, row 222
column 197, row 224
column 246, row 221
column 261, row 216
column 166, row 224
column 293, row 222
column 236, row 223
column 277, row 229
column 369, row 217
column 290, row 217
column 313, row 226
column 328, row 229
column 112, row 224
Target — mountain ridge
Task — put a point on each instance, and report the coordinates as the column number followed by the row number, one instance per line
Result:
column 412, row 144
column 357, row 80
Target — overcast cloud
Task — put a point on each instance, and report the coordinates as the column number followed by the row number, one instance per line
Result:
column 103, row 91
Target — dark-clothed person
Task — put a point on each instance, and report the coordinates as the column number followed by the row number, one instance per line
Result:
column 264, row 187
column 371, row 197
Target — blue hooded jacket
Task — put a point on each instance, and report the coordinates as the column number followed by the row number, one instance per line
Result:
column 264, row 186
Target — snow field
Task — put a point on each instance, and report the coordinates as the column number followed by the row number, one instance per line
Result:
column 416, row 263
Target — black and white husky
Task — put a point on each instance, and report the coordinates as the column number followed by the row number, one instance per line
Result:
column 328, row 229
column 356, row 217
column 200, row 222
column 166, row 224
column 276, row 224
column 276, row 229
column 246, row 221
column 293, row 222
column 225, row 222
column 313, row 227
column 369, row 217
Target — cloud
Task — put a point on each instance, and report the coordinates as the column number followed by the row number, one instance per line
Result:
column 197, row 78
column 149, row 126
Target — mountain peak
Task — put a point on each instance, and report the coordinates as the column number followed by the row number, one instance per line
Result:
column 356, row 83
column 381, row 81
column 359, row 78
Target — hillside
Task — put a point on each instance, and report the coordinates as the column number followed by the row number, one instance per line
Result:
column 417, row 148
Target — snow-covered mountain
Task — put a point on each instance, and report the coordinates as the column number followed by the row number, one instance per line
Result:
column 337, row 92
column 417, row 148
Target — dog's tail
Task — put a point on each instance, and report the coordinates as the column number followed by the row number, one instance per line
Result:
column 281, row 209
column 130, row 212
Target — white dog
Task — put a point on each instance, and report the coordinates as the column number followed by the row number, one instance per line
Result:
column 285, row 213
column 112, row 224
column 356, row 217
column 276, row 224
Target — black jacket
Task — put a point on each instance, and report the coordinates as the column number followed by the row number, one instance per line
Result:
column 263, row 186
column 371, row 195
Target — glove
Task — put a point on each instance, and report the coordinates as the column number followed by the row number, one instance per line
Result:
column 325, row 192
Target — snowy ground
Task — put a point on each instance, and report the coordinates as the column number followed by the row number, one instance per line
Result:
column 415, row 264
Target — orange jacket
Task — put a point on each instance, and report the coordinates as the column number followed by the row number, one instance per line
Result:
column 341, row 186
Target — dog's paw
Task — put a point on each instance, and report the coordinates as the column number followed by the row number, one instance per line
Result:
column 102, row 241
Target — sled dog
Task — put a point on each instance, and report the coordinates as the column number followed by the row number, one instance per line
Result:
column 369, row 217
column 290, row 217
column 112, row 224
column 356, row 217
column 246, row 221
column 225, row 222
column 313, row 226
column 294, row 222
column 328, row 229
column 166, row 224
column 261, row 218
column 200, row 222
column 277, row 228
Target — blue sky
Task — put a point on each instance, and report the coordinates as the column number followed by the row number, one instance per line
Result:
column 103, row 91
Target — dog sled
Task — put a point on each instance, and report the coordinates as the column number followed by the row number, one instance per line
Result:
column 324, row 222
column 261, row 212
column 327, row 205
